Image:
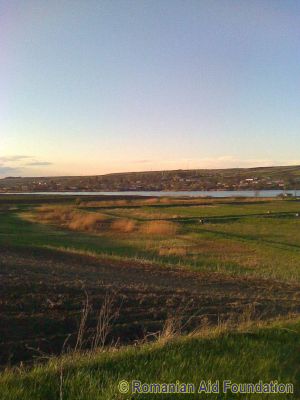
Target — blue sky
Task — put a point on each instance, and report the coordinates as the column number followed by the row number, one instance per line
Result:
column 90, row 87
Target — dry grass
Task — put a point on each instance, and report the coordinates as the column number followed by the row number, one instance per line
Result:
column 83, row 221
column 159, row 228
column 78, row 220
column 71, row 218
column 55, row 214
column 87, row 222
column 123, row 225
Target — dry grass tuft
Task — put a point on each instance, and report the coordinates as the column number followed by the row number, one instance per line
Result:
column 78, row 220
column 72, row 219
column 123, row 225
column 87, row 222
column 55, row 214
column 159, row 228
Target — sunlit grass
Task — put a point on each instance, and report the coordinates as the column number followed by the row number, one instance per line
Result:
column 247, row 355
column 252, row 244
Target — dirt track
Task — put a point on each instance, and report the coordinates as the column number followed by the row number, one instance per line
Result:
column 42, row 296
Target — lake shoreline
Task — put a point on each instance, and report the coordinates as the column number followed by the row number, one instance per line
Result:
column 204, row 194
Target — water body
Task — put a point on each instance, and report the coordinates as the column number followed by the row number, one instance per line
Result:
column 197, row 193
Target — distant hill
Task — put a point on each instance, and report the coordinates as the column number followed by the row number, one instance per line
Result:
column 279, row 177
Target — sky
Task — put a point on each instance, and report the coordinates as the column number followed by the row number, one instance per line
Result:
column 92, row 87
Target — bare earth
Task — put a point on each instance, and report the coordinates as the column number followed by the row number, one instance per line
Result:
column 42, row 294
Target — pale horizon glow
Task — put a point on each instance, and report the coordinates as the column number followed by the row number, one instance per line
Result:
column 95, row 87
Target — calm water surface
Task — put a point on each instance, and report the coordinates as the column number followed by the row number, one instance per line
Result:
column 212, row 193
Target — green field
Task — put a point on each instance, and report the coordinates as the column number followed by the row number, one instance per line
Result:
column 255, row 238
column 222, row 268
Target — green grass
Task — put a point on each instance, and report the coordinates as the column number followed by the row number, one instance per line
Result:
column 259, row 353
column 215, row 209
column 236, row 239
column 257, row 239
column 15, row 231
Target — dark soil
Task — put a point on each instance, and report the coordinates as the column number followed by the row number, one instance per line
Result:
column 42, row 293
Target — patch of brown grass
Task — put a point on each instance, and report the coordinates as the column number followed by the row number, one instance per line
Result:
column 71, row 218
column 87, row 222
column 78, row 220
column 159, row 228
column 123, row 225
column 55, row 214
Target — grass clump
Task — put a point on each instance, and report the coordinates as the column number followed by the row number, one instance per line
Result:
column 160, row 228
column 55, row 214
column 123, row 225
column 87, row 222
column 69, row 217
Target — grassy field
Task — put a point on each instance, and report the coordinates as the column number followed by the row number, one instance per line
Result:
column 166, row 267
column 248, row 355
column 257, row 238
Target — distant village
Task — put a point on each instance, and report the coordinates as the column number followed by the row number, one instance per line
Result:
column 243, row 179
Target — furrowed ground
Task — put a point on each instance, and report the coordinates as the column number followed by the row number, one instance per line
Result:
column 198, row 263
